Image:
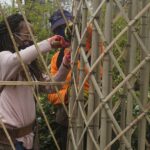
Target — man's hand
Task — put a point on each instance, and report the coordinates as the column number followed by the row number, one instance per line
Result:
column 67, row 60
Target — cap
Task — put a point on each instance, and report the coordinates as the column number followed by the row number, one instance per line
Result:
column 57, row 18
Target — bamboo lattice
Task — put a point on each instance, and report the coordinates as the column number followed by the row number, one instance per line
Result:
column 113, row 114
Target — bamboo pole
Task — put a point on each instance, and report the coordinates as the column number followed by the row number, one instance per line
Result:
column 116, row 89
column 93, row 97
column 7, row 134
column 135, row 121
column 117, row 65
column 80, row 102
column 132, row 57
column 123, row 112
column 90, row 107
column 142, row 45
column 72, row 94
column 100, row 98
column 105, row 136
column 113, row 41
column 98, row 77
column 72, row 114
column 122, row 74
column 144, row 79
column 145, row 9
column 108, row 35
column 128, row 84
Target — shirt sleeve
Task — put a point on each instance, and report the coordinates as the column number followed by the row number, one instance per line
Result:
column 10, row 62
column 57, row 74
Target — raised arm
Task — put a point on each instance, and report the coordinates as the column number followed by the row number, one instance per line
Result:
column 10, row 63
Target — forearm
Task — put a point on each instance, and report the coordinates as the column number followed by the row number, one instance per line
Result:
column 30, row 53
column 61, row 75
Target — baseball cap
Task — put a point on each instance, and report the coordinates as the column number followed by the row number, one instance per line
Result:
column 57, row 18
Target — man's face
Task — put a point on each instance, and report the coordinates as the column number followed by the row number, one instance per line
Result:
column 60, row 30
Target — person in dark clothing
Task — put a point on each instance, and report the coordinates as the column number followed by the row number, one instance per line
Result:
column 58, row 26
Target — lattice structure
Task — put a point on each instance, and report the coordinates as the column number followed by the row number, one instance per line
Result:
column 94, row 121
column 114, row 112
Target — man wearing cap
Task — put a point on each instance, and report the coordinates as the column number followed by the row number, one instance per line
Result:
column 58, row 25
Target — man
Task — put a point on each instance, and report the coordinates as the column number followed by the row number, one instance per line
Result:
column 58, row 26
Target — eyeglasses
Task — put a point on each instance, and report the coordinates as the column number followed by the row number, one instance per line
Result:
column 27, row 36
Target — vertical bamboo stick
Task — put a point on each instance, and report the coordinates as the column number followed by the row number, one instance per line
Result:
column 122, row 119
column 80, row 101
column 93, row 97
column 132, row 57
column 90, row 110
column 97, row 50
column 106, row 80
column 144, row 79
column 72, row 94
column 108, row 63
column 124, row 96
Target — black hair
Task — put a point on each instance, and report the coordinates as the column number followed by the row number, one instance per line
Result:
column 14, row 21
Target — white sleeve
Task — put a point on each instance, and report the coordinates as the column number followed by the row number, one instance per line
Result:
column 30, row 53
column 10, row 63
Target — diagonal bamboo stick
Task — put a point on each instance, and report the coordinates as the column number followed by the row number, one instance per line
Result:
column 139, row 40
column 106, row 106
column 116, row 89
column 128, row 77
column 7, row 134
column 101, row 97
column 129, row 126
column 123, row 76
column 114, row 41
column 120, row 34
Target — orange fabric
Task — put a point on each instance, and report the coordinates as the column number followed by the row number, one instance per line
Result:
column 89, row 37
column 53, row 98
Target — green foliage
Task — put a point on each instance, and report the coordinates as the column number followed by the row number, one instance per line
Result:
column 38, row 14
column 45, row 138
